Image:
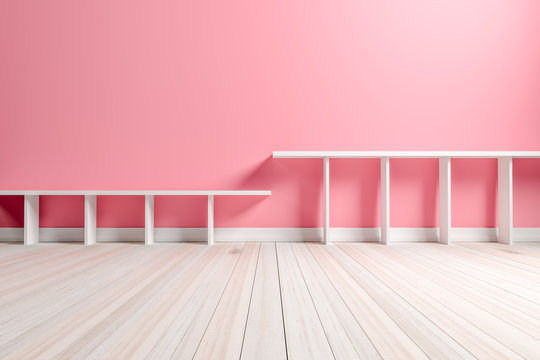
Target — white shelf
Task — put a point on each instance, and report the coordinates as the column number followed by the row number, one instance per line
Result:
column 504, row 205
column 31, row 209
column 140, row 192
column 404, row 154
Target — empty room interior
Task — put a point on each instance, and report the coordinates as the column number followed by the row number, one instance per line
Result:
column 269, row 179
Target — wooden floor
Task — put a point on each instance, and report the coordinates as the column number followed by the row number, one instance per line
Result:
column 270, row 301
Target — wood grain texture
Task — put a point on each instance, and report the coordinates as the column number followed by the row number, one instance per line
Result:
column 442, row 308
column 265, row 336
column 388, row 338
column 429, row 338
column 306, row 338
column 345, row 334
column 225, row 332
column 270, row 301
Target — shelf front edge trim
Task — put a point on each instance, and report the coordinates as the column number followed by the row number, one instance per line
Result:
column 404, row 154
column 140, row 192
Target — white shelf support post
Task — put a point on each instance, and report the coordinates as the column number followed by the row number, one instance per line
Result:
column 148, row 219
column 31, row 219
column 385, row 200
column 90, row 219
column 445, row 225
column 210, row 219
column 505, row 200
column 326, row 201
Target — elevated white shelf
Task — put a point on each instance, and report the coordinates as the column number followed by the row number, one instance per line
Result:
column 31, row 208
column 504, row 191
column 139, row 192
column 404, row 154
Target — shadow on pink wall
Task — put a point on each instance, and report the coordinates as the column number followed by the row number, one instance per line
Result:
column 284, row 177
column 296, row 199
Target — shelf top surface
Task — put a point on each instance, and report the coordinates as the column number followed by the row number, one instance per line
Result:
column 404, row 154
column 137, row 192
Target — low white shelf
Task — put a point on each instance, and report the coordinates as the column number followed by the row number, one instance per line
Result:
column 505, row 206
column 31, row 209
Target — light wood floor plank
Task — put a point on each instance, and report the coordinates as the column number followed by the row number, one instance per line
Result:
column 208, row 293
column 42, row 256
column 528, row 248
column 513, row 253
column 509, row 315
column 434, row 342
column 103, row 283
column 60, row 281
column 473, row 338
column 47, row 295
column 55, row 339
column 270, row 301
column 264, row 337
column 305, row 334
column 10, row 254
column 191, row 341
column 347, row 338
column 488, row 292
column 475, row 263
column 391, row 341
column 9, row 249
column 140, row 324
column 225, row 332
column 484, row 273
column 521, row 342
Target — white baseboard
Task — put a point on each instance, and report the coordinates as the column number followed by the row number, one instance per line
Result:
column 120, row 234
column 526, row 234
column 11, row 234
column 179, row 234
column 403, row 234
column 473, row 234
column 61, row 234
column 268, row 234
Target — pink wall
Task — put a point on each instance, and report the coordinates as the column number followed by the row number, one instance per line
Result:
column 196, row 94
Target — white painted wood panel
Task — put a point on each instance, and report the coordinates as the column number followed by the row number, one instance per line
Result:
column 31, row 219
column 210, row 227
column 385, row 200
column 90, row 219
column 505, row 200
column 326, row 201
column 148, row 219
column 445, row 199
